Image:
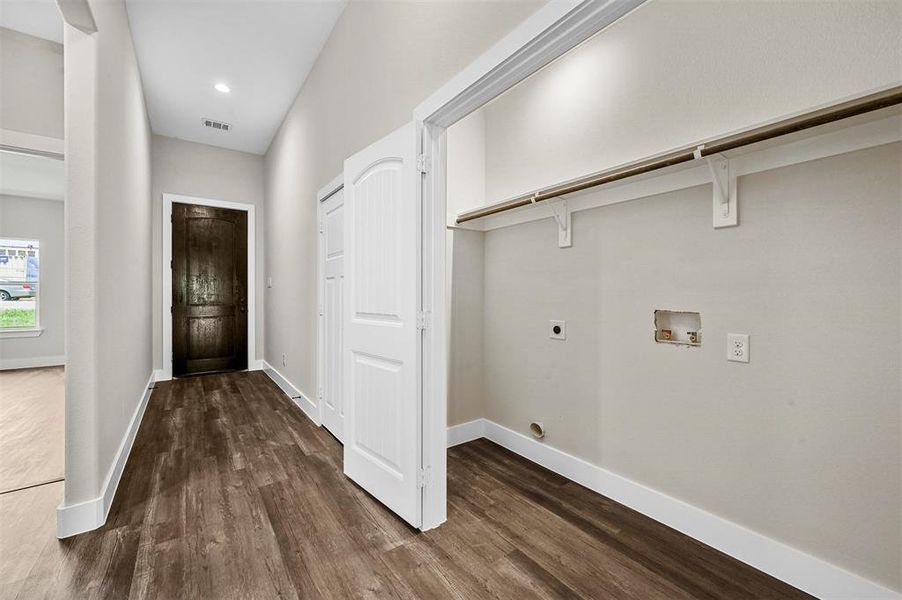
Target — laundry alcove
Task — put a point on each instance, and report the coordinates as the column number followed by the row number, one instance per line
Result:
column 623, row 204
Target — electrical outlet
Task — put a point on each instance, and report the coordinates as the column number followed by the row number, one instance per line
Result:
column 284, row 360
column 738, row 347
column 557, row 330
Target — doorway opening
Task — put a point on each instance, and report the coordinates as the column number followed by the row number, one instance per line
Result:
column 32, row 338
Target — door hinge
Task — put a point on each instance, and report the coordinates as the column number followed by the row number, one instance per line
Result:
column 423, row 319
column 422, row 478
column 171, row 264
column 422, row 163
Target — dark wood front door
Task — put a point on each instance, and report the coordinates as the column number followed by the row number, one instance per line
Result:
column 209, row 289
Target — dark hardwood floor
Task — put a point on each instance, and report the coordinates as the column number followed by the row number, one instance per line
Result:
column 230, row 492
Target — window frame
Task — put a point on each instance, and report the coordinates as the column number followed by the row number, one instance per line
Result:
column 36, row 329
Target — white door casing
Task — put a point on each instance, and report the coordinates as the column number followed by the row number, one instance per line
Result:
column 332, row 284
column 382, row 445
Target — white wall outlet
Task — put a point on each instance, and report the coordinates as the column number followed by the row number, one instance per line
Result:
column 557, row 330
column 284, row 360
column 738, row 347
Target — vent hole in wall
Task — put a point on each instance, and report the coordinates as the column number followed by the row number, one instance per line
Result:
column 537, row 430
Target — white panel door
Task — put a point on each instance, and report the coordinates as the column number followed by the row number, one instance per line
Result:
column 332, row 269
column 382, row 342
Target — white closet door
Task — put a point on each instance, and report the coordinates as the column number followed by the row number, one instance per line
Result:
column 382, row 425
column 333, row 275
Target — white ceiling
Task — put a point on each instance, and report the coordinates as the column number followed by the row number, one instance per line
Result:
column 40, row 18
column 32, row 176
column 263, row 49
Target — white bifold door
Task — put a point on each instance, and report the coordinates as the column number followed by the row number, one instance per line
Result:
column 332, row 233
column 382, row 446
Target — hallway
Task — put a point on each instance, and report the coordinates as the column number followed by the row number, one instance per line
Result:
column 231, row 492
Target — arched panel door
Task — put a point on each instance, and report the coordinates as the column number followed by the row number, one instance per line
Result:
column 382, row 341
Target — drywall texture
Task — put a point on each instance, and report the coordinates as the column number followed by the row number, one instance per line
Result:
column 674, row 72
column 34, row 104
column 108, row 211
column 193, row 169
column 42, row 220
column 465, row 159
column 802, row 443
column 465, row 147
column 381, row 60
column 466, row 368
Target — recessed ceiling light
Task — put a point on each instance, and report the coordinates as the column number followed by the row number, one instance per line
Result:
column 221, row 87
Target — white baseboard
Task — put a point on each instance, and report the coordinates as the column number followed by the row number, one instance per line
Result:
column 466, row 432
column 91, row 514
column 806, row 572
column 7, row 364
column 308, row 407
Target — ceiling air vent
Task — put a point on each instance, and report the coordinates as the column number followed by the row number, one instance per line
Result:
column 215, row 124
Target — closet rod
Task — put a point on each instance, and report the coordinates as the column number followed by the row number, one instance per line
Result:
column 836, row 112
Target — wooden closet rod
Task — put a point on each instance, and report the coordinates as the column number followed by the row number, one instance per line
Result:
column 822, row 116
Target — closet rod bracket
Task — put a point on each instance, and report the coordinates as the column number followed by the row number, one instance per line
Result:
column 723, row 180
column 561, row 213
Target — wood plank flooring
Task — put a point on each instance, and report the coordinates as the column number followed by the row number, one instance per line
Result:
column 32, row 426
column 230, row 492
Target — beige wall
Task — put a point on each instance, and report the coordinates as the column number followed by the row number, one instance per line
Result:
column 803, row 443
column 108, row 212
column 381, row 60
column 678, row 71
column 466, row 364
column 34, row 103
column 192, row 169
column 42, row 220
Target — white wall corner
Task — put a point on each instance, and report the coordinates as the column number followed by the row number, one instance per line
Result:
column 804, row 571
column 91, row 514
column 466, row 432
column 308, row 407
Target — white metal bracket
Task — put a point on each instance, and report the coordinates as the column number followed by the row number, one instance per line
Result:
column 723, row 179
column 561, row 214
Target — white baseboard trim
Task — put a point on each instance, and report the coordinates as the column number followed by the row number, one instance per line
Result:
column 806, row 572
column 298, row 397
column 91, row 514
column 9, row 364
column 466, row 432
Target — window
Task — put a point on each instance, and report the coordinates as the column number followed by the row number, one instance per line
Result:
column 19, row 282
